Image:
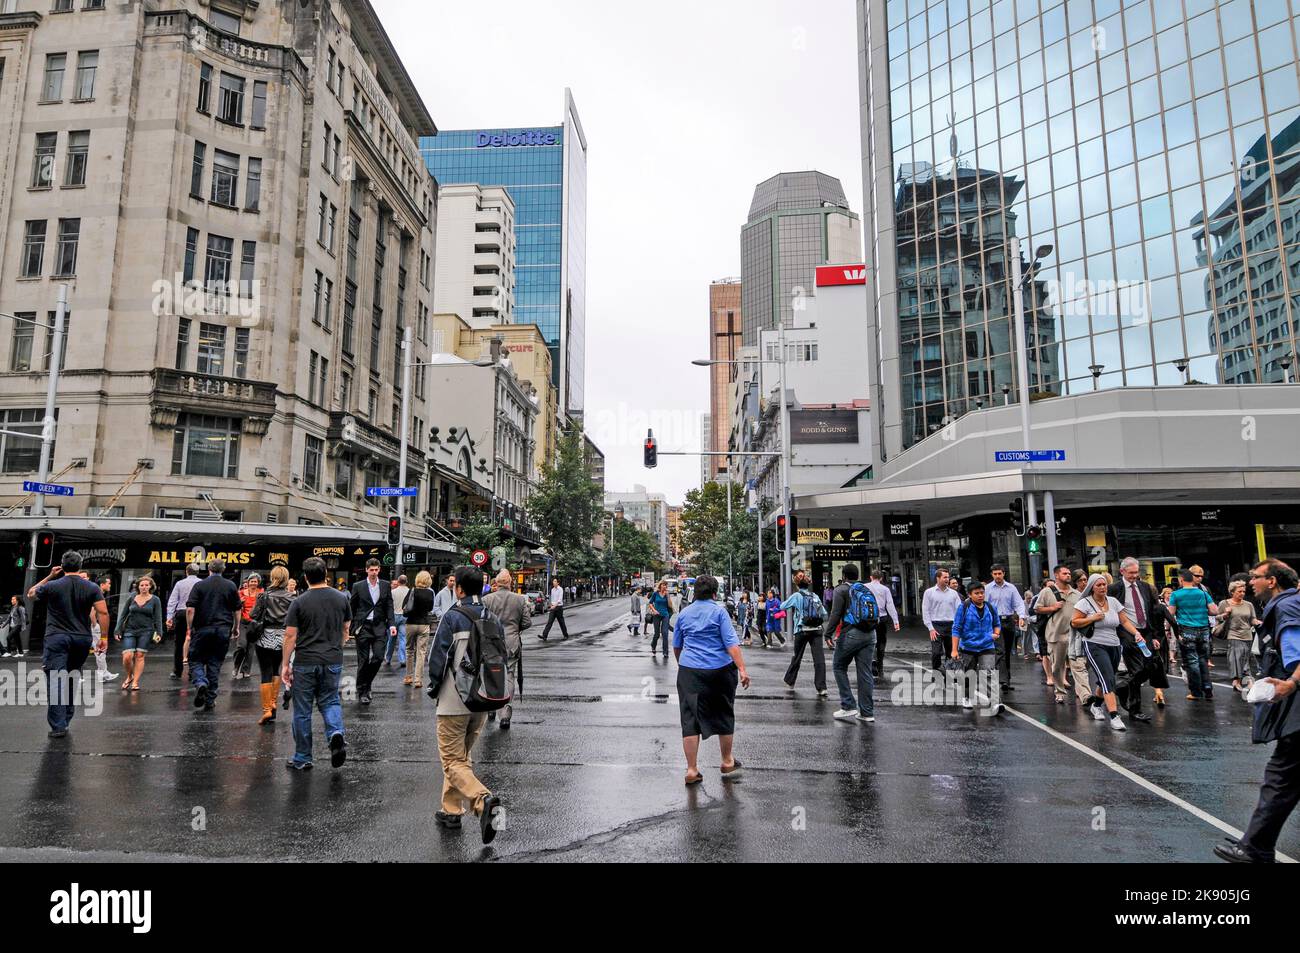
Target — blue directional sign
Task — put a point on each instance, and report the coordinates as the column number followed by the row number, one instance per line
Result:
column 392, row 491
column 49, row 489
column 1029, row 456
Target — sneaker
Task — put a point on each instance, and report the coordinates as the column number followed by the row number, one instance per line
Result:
column 1117, row 723
column 110, row 676
column 298, row 765
column 822, row 694
column 867, row 718
column 1098, row 712
column 967, row 704
column 845, row 714
column 487, row 820
column 338, row 751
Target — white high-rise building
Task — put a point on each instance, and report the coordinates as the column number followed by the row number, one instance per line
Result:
column 476, row 254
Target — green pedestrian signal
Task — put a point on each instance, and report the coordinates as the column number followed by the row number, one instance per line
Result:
column 1033, row 547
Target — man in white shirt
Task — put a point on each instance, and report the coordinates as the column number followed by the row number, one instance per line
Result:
column 1009, row 606
column 557, row 611
column 888, row 617
column 445, row 599
column 176, row 603
column 938, row 608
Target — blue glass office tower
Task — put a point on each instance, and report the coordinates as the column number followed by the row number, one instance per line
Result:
column 545, row 170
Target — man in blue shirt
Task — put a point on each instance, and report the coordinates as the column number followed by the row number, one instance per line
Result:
column 1009, row 605
column 1275, row 581
column 975, row 631
column 68, row 599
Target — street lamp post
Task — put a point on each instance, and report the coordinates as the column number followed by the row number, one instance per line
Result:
column 47, row 425
column 1018, row 283
column 784, row 421
column 401, row 461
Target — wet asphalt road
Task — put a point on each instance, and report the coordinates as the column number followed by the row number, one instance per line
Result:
column 592, row 770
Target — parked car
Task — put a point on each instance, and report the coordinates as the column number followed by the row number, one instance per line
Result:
column 537, row 599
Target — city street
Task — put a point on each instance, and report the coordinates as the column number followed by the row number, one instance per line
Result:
column 592, row 770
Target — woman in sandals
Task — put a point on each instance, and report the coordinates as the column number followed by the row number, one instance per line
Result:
column 709, row 666
column 139, row 626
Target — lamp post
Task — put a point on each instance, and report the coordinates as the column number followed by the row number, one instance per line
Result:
column 47, row 424
column 1018, row 285
column 784, row 455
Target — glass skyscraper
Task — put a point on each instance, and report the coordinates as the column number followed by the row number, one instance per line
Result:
column 545, row 170
column 1150, row 149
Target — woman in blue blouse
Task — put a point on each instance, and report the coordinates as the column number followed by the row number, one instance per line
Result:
column 663, row 613
column 709, row 665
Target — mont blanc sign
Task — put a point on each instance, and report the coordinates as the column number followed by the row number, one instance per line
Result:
column 823, row 426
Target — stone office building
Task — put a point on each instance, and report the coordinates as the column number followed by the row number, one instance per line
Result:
column 234, row 195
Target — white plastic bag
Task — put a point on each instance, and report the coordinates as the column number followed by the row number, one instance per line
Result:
column 1261, row 690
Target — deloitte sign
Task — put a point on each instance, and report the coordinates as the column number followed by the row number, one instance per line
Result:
column 530, row 138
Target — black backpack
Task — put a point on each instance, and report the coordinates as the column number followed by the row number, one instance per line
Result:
column 482, row 677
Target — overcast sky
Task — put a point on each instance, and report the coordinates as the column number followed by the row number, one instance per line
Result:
column 686, row 107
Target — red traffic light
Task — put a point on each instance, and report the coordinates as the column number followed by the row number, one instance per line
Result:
column 44, row 556
column 651, row 449
column 394, row 530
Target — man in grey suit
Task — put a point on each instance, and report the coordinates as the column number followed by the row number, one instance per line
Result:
column 515, row 615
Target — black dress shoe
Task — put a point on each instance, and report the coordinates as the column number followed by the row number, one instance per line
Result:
column 365, row 698
column 1234, row 854
column 59, row 733
column 201, row 696
column 487, row 827
column 338, row 751
column 449, row 821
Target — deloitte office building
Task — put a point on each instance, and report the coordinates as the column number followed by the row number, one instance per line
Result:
column 1137, row 165
column 545, row 170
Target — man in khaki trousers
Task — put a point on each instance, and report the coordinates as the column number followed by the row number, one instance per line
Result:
column 458, row 727
column 1056, row 602
column 515, row 615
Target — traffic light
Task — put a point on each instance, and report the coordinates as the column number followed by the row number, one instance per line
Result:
column 1018, row 516
column 44, row 551
column 1034, row 533
column 651, row 450
column 780, row 531
column 1034, row 546
column 394, row 530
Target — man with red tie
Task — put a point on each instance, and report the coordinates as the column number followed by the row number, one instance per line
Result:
column 1142, row 605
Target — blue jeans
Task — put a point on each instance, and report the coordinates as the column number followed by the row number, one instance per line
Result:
column 397, row 641
column 63, row 655
column 855, row 645
column 208, row 647
column 315, row 685
column 1194, row 645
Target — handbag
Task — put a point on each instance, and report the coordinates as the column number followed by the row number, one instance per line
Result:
column 778, row 614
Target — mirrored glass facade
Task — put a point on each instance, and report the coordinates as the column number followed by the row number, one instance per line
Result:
column 530, row 163
column 1154, row 145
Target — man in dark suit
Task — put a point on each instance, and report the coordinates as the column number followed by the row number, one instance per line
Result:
column 372, row 623
column 1143, row 607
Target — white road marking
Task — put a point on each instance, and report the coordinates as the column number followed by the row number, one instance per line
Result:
column 1136, row 778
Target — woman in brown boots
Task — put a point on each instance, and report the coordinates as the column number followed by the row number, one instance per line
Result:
column 268, row 617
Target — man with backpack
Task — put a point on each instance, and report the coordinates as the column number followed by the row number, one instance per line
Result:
column 855, row 608
column 468, row 677
column 809, row 613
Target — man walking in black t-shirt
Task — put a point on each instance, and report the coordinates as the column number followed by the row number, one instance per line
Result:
column 69, row 600
column 316, row 629
column 211, row 613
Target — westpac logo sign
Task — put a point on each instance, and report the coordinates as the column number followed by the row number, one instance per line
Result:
column 833, row 275
column 530, row 137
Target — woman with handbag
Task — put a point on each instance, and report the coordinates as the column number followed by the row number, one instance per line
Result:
column 265, row 633
column 660, row 611
column 1098, row 616
column 138, row 627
